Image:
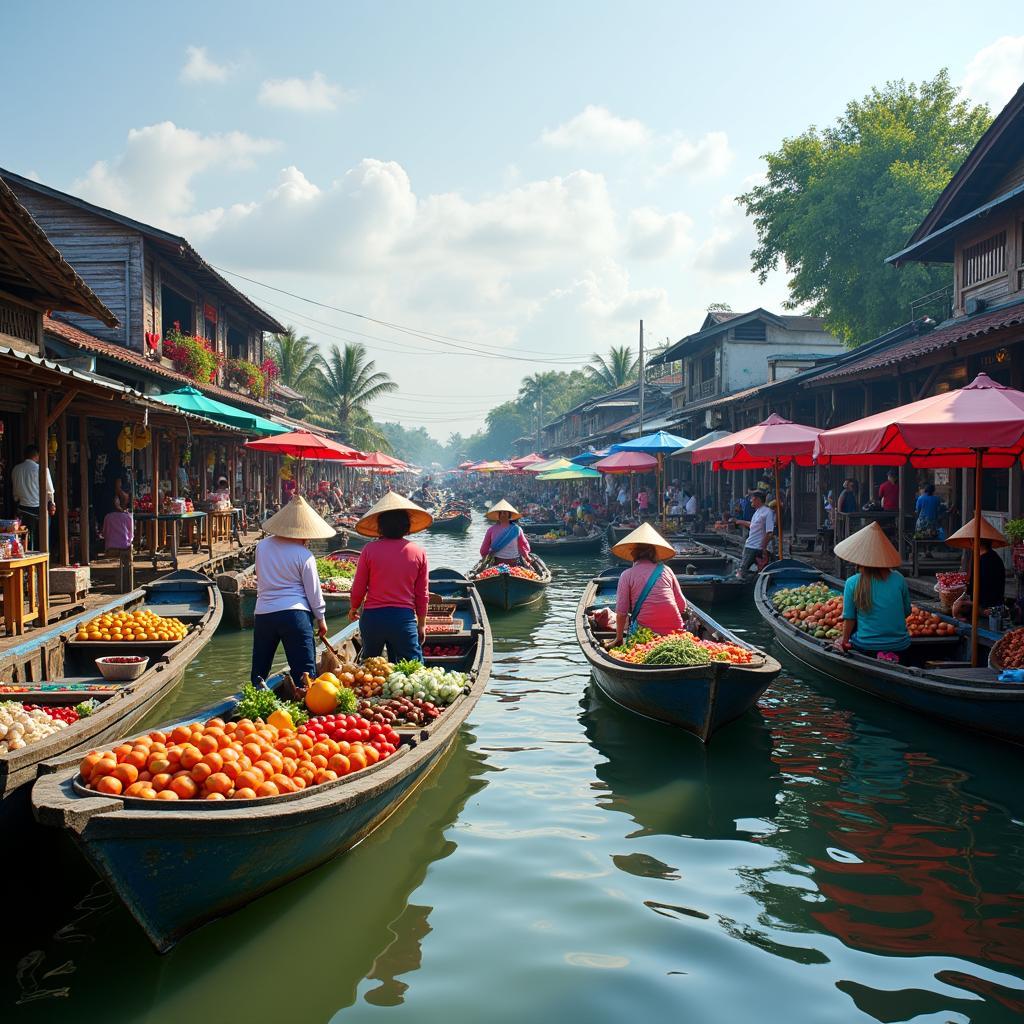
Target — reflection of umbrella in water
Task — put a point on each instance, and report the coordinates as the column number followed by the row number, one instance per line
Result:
column 670, row 783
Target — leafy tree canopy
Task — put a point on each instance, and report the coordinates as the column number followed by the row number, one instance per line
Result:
column 837, row 202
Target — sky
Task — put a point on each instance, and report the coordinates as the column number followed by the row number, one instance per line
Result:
column 504, row 188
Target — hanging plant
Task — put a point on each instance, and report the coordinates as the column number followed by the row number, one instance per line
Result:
column 246, row 376
column 186, row 455
column 192, row 355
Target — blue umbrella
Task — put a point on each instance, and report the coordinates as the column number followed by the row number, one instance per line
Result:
column 659, row 444
column 589, row 456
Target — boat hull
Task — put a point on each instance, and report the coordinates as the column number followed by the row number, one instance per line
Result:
column 589, row 545
column 981, row 704
column 700, row 699
column 452, row 524
column 239, row 601
column 506, row 591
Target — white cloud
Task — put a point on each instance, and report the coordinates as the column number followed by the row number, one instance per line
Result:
column 598, row 128
column 152, row 178
column 653, row 235
column 709, row 157
column 996, row 72
column 308, row 94
column 198, row 67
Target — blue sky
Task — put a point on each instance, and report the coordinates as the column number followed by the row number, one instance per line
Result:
column 530, row 178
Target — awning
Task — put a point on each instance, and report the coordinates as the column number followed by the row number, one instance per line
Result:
column 189, row 399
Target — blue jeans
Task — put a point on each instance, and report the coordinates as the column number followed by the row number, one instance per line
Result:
column 293, row 628
column 394, row 628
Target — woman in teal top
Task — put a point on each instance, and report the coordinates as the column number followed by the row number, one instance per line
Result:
column 876, row 601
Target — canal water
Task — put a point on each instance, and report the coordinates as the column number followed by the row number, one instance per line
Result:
column 826, row 859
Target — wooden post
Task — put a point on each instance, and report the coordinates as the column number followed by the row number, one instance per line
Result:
column 63, row 489
column 976, row 560
column 174, row 466
column 84, row 519
column 42, row 422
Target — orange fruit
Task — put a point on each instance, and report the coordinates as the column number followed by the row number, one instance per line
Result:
column 231, row 753
column 318, row 761
column 248, row 780
column 219, row 783
column 104, row 766
column 157, row 764
column 214, row 796
column 266, row 767
column 244, row 794
column 267, row 789
column 357, row 759
column 184, row 787
column 161, row 781
column 253, row 751
column 201, row 772
column 215, row 723
column 137, row 788
column 181, row 734
column 339, row 763
column 190, row 756
column 305, row 741
column 283, row 783
column 87, row 764
column 122, row 751
column 371, row 754
column 166, row 794
column 214, row 760
column 158, row 737
column 232, row 770
column 109, row 784
column 298, row 783
column 344, row 747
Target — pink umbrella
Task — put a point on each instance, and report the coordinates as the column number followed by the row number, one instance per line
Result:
column 527, row 460
column 627, row 462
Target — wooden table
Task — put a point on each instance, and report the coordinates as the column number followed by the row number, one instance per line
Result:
column 170, row 521
column 26, row 590
column 221, row 525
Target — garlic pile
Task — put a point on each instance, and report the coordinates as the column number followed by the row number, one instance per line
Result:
column 20, row 727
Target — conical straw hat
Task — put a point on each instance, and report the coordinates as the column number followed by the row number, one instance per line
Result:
column 869, row 548
column 502, row 506
column 419, row 519
column 964, row 537
column 298, row 521
column 644, row 534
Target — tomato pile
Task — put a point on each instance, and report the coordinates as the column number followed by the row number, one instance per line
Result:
column 512, row 570
column 951, row 580
column 922, row 623
column 1012, row 649
column 65, row 714
column 242, row 760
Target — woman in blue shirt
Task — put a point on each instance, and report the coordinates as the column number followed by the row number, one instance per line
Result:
column 928, row 508
column 876, row 601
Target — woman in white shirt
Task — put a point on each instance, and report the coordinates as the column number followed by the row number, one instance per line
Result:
column 289, row 598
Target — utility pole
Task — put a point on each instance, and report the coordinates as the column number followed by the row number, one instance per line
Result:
column 641, row 379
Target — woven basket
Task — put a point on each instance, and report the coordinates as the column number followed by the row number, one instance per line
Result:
column 995, row 656
column 948, row 597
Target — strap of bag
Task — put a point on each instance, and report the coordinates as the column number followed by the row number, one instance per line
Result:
column 644, row 594
column 511, row 533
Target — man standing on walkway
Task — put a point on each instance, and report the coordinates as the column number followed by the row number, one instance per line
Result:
column 761, row 525
column 25, row 484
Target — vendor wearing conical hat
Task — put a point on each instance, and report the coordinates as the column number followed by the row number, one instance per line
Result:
column 289, row 598
column 505, row 541
column 389, row 592
column 991, row 572
column 876, row 601
column 648, row 594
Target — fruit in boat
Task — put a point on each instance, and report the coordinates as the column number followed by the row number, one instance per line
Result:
column 322, row 696
column 280, row 719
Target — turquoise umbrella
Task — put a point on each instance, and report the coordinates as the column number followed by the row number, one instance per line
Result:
column 576, row 473
column 189, row 399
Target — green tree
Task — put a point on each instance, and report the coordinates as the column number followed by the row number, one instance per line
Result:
column 298, row 360
column 350, row 383
column 837, row 202
column 617, row 368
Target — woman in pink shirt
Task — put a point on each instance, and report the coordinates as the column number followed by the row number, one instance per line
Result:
column 504, row 541
column 660, row 606
column 389, row 592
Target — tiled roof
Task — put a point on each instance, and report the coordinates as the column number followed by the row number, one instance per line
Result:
column 83, row 340
column 942, row 337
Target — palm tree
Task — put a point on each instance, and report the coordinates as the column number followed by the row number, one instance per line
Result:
column 350, row 383
column 618, row 368
column 298, row 362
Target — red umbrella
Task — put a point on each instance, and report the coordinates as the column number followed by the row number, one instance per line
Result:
column 979, row 426
column 301, row 444
column 527, row 460
column 774, row 442
column 378, row 460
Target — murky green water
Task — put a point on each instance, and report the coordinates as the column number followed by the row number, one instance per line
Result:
column 828, row 859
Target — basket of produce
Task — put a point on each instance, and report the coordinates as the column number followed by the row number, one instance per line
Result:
column 684, row 649
column 122, row 669
column 950, row 587
column 1008, row 651
column 440, row 611
column 23, row 724
column 140, row 628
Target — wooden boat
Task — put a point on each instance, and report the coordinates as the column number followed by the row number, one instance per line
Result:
column 451, row 522
column 340, row 602
column 507, row 591
column 177, row 865
column 587, row 545
column 936, row 679
column 238, row 596
column 183, row 594
column 533, row 527
column 700, row 699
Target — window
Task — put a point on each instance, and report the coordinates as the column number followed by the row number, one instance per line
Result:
column 238, row 343
column 707, row 367
column 175, row 308
column 984, row 260
column 754, row 331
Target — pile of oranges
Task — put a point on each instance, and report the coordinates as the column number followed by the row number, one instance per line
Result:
column 220, row 761
column 137, row 625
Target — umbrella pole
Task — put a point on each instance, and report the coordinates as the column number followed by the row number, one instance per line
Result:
column 778, row 507
column 976, row 560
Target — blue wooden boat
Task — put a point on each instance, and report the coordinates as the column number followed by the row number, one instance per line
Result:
column 451, row 522
column 68, row 673
column 699, row 699
column 936, row 678
column 177, row 865
column 507, row 591
column 589, row 544
column 238, row 596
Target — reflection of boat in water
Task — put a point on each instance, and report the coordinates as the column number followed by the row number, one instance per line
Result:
column 672, row 784
column 922, row 857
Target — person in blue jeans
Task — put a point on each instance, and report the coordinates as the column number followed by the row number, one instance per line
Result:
column 289, row 600
column 928, row 508
column 876, row 600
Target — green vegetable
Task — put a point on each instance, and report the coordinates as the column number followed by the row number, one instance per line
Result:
column 299, row 713
column 409, row 666
column 256, row 703
column 327, row 567
column 678, row 651
column 86, row 708
column 348, row 701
